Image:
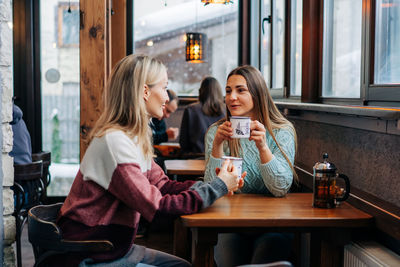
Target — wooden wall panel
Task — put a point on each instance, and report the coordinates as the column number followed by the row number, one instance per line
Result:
column 244, row 32
column 94, row 62
column 118, row 31
column 312, row 50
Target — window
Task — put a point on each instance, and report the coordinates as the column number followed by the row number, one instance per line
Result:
column 387, row 40
column 160, row 29
column 351, row 53
column 68, row 29
column 272, row 42
column 296, row 38
column 59, row 57
column 342, row 48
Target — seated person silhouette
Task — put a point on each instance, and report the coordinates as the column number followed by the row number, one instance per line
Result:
column 22, row 148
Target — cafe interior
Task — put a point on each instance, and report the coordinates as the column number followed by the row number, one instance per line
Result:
column 332, row 68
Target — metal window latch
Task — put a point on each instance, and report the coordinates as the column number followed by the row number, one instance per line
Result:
column 267, row 19
column 81, row 19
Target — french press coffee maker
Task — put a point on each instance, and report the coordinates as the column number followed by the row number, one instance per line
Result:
column 326, row 193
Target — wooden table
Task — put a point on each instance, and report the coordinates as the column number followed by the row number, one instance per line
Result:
column 185, row 167
column 329, row 228
column 167, row 150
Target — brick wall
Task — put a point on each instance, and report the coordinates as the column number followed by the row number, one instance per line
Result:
column 7, row 226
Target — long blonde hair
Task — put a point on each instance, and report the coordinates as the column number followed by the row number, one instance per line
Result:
column 124, row 105
column 265, row 110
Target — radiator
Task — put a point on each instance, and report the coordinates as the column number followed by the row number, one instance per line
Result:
column 366, row 254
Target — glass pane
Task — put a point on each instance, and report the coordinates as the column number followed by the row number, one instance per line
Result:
column 265, row 53
column 296, row 35
column 387, row 40
column 160, row 29
column 59, row 56
column 342, row 48
column 278, row 44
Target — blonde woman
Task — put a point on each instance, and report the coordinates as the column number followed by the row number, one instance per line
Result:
column 268, row 157
column 118, row 181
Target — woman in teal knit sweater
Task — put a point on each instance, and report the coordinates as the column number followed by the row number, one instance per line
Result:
column 268, row 157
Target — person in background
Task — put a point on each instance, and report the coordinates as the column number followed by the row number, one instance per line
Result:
column 268, row 158
column 118, row 181
column 198, row 116
column 22, row 148
column 160, row 132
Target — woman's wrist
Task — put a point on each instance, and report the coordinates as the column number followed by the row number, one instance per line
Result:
column 217, row 149
column 265, row 154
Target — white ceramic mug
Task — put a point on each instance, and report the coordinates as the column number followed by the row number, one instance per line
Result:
column 237, row 162
column 240, row 126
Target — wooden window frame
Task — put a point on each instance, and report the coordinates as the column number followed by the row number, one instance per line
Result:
column 377, row 93
column 312, row 55
column 26, row 56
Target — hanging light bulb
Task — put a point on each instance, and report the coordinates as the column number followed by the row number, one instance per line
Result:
column 206, row 2
column 196, row 47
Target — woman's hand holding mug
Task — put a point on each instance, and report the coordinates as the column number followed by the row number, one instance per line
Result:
column 228, row 174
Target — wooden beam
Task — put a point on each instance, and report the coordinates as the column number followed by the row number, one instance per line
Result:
column 95, row 63
column 312, row 50
column 118, row 29
column 244, row 32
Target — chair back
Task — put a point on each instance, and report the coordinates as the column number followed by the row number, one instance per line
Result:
column 46, row 236
column 29, row 171
column 28, row 185
column 45, row 157
column 43, row 231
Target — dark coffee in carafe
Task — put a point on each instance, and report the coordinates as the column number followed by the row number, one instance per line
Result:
column 326, row 193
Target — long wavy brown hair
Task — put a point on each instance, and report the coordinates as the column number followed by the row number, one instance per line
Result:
column 264, row 110
column 210, row 97
column 124, row 105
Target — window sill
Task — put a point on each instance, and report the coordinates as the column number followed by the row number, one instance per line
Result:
column 384, row 120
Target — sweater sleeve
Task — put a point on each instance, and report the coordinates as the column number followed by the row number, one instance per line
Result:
column 199, row 196
column 211, row 162
column 140, row 184
column 134, row 189
column 277, row 174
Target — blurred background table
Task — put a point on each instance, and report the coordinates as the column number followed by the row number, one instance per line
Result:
column 167, row 150
column 192, row 167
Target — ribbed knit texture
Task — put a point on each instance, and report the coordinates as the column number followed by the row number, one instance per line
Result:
column 274, row 177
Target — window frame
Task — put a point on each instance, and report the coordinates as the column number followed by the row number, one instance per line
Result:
column 376, row 92
column 257, row 22
column 26, row 66
column 312, row 55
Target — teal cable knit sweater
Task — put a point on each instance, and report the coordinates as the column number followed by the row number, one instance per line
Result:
column 274, row 177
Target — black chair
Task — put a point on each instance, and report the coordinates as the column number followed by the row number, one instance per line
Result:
column 44, row 156
column 28, row 187
column 47, row 239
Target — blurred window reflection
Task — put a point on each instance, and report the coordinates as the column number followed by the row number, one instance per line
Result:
column 341, row 69
column 296, row 38
column 159, row 31
column 60, row 96
column 387, row 40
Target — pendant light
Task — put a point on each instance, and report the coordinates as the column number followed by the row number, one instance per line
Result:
column 196, row 47
column 206, row 2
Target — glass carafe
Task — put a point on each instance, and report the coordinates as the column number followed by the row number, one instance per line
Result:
column 326, row 193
